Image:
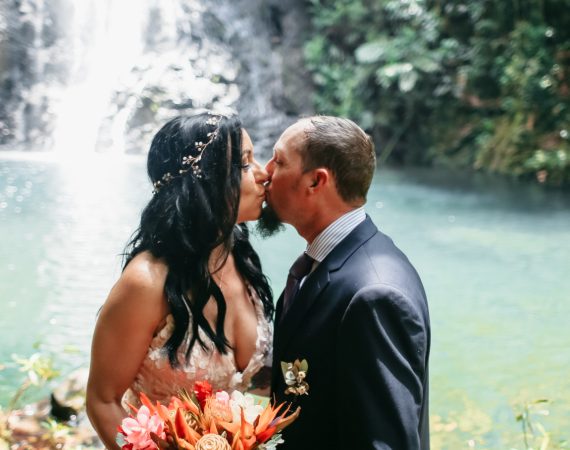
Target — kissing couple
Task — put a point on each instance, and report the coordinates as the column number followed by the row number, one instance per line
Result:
column 193, row 304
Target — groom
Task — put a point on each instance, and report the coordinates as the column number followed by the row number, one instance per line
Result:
column 354, row 307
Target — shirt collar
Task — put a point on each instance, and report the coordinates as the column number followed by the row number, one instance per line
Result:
column 328, row 239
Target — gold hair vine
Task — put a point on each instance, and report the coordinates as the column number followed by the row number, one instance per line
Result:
column 190, row 162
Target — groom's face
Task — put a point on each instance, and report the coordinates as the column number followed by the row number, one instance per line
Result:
column 284, row 191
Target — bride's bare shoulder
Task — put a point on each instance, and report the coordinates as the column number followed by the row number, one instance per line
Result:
column 141, row 283
column 145, row 271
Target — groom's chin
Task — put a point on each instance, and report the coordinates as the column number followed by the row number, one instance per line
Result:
column 268, row 223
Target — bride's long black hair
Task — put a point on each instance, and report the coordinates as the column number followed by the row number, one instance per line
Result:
column 192, row 214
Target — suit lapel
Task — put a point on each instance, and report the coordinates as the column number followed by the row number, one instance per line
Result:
column 309, row 291
column 279, row 309
column 316, row 282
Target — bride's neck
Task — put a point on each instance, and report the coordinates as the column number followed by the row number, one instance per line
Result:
column 218, row 259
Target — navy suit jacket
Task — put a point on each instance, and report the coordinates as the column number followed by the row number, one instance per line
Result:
column 361, row 321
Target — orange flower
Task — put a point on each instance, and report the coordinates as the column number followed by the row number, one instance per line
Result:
column 217, row 409
column 224, row 422
column 246, row 435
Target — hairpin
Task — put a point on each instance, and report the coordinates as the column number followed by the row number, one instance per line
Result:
column 191, row 162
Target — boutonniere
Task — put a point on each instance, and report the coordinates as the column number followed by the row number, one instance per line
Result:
column 295, row 374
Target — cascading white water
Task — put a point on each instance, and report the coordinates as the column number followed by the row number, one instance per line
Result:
column 107, row 40
column 135, row 64
column 101, row 75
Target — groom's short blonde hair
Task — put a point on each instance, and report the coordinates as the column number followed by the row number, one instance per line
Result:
column 345, row 149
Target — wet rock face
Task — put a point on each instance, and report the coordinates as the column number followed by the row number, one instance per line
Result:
column 291, row 24
column 31, row 58
column 266, row 38
column 228, row 55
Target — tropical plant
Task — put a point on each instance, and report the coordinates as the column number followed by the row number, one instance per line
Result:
column 477, row 84
column 534, row 434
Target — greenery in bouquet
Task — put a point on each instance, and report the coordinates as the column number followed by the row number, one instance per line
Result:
column 205, row 420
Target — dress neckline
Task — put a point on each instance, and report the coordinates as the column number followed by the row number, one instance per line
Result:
column 159, row 380
column 258, row 313
column 230, row 354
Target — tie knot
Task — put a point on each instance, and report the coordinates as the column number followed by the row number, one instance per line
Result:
column 302, row 266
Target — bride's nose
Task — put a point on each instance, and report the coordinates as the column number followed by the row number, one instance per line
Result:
column 259, row 173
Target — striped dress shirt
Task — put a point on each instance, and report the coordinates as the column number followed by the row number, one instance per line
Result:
column 331, row 236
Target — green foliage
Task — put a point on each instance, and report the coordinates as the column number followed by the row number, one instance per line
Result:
column 38, row 370
column 382, row 63
column 527, row 135
column 463, row 83
column 534, row 434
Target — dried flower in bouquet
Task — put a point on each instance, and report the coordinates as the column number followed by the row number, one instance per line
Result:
column 205, row 420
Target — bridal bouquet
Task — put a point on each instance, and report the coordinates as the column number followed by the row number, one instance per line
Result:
column 205, row 420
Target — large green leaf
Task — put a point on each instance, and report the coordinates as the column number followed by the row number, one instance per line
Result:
column 426, row 64
column 407, row 80
column 371, row 52
column 392, row 71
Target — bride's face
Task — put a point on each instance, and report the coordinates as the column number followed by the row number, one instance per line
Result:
column 253, row 177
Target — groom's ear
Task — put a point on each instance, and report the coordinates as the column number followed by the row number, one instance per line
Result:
column 319, row 178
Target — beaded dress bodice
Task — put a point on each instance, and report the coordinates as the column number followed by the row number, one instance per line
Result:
column 159, row 381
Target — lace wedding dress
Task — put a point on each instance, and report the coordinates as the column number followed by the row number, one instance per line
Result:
column 159, row 381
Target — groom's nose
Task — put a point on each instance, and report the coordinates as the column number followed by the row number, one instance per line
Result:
column 269, row 168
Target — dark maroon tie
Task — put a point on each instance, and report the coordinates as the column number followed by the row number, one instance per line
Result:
column 299, row 269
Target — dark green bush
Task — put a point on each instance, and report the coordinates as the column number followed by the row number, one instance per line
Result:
column 480, row 84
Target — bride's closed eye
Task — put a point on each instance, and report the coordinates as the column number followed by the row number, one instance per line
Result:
column 246, row 160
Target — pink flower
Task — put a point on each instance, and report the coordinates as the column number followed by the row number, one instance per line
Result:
column 137, row 430
column 223, row 397
column 218, row 406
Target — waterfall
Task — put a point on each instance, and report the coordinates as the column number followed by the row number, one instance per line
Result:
column 106, row 42
column 27, row 56
column 102, row 75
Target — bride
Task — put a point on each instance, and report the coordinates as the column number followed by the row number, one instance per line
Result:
column 192, row 303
